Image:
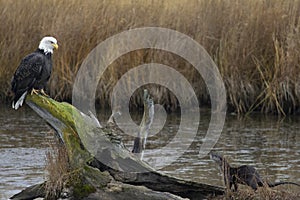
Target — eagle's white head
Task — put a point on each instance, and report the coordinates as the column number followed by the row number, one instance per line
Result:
column 47, row 44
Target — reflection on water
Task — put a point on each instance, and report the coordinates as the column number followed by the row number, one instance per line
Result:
column 262, row 141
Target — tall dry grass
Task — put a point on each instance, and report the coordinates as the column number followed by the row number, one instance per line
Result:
column 255, row 44
column 57, row 168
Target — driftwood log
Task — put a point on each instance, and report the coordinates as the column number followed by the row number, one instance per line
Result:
column 141, row 138
column 103, row 167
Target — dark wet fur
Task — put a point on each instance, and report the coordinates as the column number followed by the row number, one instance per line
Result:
column 245, row 174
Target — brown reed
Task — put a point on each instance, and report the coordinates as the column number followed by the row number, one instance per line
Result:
column 255, row 44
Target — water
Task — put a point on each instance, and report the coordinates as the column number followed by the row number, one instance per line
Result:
column 266, row 142
column 23, row 145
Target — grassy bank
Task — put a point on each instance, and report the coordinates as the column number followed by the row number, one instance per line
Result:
column 263, row 193
column 255, row 44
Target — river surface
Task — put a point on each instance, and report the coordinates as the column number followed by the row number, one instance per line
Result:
column 269, row 143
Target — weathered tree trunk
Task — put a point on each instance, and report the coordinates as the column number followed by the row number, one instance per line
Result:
column 100, row 166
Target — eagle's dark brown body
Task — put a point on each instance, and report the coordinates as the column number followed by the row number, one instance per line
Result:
column 33, row 72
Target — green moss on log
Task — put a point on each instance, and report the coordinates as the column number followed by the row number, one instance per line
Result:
column 82, row 178
column 70, row 117
column 80, row 191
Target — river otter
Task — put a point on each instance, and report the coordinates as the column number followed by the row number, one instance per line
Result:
column 245, row 174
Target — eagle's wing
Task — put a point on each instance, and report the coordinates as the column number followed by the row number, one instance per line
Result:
column 27, row 73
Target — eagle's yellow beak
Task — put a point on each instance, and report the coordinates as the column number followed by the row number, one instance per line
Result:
column 55, row 46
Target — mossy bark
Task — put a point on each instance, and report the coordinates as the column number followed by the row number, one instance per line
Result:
column 122, row 174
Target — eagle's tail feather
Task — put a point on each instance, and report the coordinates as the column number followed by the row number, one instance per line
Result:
column 20, row 101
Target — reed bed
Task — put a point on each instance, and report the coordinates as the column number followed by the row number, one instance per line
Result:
column 255, row 44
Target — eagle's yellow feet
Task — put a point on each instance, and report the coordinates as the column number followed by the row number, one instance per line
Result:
column 44, row 93
column 34, row 91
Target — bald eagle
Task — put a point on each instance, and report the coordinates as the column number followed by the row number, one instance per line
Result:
column 33, row 72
